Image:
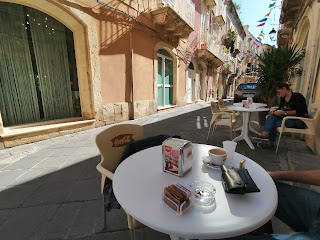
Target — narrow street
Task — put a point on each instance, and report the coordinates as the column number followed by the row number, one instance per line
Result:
column 51, row 189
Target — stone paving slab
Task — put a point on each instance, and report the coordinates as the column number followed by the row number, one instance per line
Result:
column 23, row 222
column 25, row 163
column 52, row 188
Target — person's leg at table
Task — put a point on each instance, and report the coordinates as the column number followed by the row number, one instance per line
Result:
column 270, row 130
column 299, row 208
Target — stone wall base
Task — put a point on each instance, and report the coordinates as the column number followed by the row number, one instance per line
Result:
column 119, row 112
column 144, row 108
column 30, row 137
column 181, row 101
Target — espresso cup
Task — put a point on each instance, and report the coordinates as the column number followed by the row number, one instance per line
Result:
column 217, row 156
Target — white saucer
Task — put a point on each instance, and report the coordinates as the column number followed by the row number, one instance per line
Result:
column 210, row 165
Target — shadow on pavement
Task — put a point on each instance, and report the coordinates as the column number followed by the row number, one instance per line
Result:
column 64, row 202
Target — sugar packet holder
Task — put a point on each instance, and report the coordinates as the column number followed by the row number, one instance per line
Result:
column 177, row 198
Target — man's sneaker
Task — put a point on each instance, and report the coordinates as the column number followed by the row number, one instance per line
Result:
column 265, row 145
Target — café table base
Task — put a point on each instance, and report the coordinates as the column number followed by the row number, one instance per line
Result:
column 251, row 129
column 245, row 130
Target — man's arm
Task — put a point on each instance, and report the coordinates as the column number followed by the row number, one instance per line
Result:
column 308, row 177
column 300, row 105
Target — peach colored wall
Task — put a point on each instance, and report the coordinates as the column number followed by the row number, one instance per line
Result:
column 115, row 55
column 143, row 47
column 115, row 71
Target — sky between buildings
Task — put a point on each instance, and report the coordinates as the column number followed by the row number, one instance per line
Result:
column 252, row 11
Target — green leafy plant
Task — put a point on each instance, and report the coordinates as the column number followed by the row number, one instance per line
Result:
column 236, row 6
column 229, row 39
column 274, row 67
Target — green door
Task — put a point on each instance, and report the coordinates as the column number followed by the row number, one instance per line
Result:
column 165, row 79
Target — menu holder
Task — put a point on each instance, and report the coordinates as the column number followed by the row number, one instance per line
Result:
column 177, row 198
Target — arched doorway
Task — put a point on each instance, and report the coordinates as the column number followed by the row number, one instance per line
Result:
column 38, row 74
column 164, row 78
column 202, row 71
column 189, row 83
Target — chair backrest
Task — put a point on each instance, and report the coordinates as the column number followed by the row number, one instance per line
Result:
column 214, row 108
column 112, row 142
column 316, row 120
column 221, row 104
column 314, row 113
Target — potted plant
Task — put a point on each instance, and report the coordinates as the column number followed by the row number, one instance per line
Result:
column 275, row 65
column 229, row 39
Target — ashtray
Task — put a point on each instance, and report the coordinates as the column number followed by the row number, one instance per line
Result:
column 203, row 193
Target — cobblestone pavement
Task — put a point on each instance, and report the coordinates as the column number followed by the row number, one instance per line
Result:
column 50, row 189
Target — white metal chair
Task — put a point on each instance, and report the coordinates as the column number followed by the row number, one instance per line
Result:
column 221, row 118
column 311, row 128
column 111, row 143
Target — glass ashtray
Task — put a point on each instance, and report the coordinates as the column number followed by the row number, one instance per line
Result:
column 203, row 193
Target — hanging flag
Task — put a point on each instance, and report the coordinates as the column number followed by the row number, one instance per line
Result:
column 263, row 20
column 272, row 5
column 268, row 14
column 255, row 44
column 259, row 38
column 260, row 25
column 258, row 41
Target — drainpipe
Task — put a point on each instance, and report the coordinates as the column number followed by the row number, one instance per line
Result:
column 131, row 116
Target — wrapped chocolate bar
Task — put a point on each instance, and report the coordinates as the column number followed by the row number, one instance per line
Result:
column 177, row 156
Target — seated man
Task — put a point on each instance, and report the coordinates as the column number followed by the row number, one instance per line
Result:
column 291, row 104
column 299, row 208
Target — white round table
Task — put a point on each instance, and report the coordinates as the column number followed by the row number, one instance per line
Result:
column 139, row 181
column 246, row 112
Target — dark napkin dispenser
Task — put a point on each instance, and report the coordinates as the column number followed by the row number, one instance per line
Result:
column 237, row 181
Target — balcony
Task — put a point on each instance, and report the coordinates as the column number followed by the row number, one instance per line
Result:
column 209, row 3
column 229, row 68
column 289, row 16
column 290, row 11
column 211, row 51
column 220, row 20
column 173, row 18
column 283, row 35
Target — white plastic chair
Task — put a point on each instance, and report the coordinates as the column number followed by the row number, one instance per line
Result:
column 223, row 107
column 221, row 118
column 111, row 143
column 311, row 128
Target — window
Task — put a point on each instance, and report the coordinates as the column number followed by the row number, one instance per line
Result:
column 38, row 75
column 203, row 27
column 165, row 78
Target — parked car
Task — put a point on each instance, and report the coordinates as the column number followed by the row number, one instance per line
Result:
column 245, row 90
